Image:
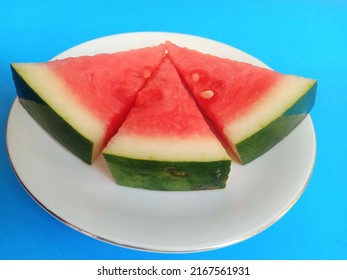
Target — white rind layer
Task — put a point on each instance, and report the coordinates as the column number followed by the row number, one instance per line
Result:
column 166, row 149
column 55, row 93
column 278, row 100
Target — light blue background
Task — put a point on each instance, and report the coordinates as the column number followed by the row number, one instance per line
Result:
column 308, row 38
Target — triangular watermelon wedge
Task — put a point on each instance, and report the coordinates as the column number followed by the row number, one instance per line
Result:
column 165, row 142
column 253, row 107
column 82, row 101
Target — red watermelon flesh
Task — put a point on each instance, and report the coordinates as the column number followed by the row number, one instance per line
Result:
column 107, row 84
column 165, row 109
column 242, row 99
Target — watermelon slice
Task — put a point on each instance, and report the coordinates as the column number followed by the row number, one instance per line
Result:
column 165, row 142
column 253, row 107
column 82, row 101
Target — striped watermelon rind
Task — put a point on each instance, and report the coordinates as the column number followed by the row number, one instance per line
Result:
column 52, row 121
column 168, row 175
column 274, row 132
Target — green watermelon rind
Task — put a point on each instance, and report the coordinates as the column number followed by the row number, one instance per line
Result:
column 52, row 122
column 168, row 175
column 265, row 139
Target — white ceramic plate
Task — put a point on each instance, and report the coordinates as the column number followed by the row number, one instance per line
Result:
column 87, row 199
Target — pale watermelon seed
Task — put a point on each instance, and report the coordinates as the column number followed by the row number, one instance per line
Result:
column 207, row 94
column 195, row 77
column 146, row 73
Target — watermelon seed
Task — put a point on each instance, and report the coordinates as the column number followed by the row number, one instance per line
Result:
column 195, row 77
column 146, row 72
column 207, row 94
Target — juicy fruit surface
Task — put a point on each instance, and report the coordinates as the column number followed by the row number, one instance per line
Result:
column 107, row 84
column 165, row 108
column 217, row 81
